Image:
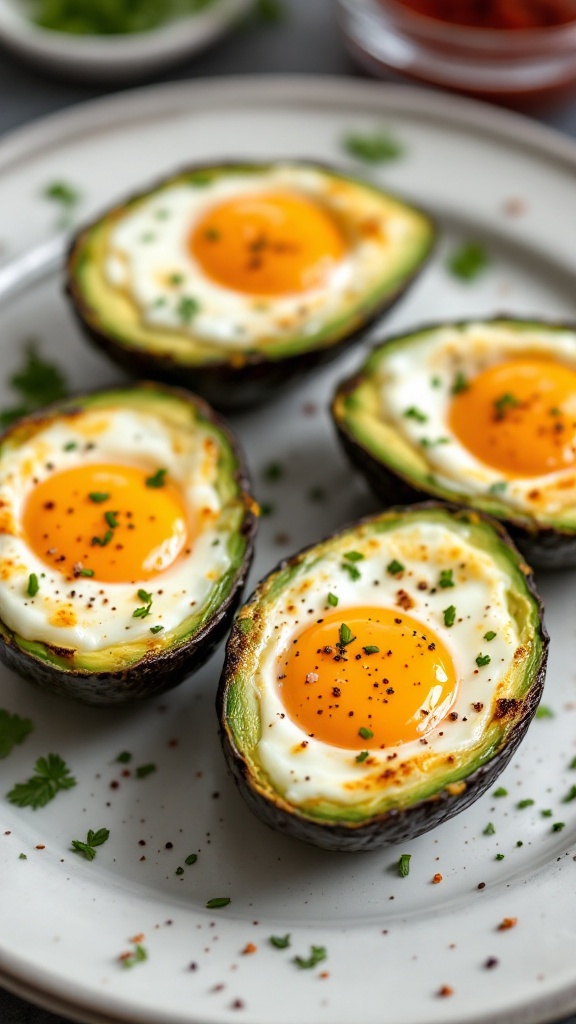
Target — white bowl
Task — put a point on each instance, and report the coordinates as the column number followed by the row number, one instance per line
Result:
column 118, row 58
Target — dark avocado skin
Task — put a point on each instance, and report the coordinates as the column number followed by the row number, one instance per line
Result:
column 254, row 379
column 544, row 547
column 397, row 825
column 156, row 672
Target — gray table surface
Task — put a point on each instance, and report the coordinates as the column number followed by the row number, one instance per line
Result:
column 306, row 42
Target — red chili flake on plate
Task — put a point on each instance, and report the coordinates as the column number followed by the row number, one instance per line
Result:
column 437, row 878
column 445, row 991
column 507, row 923
column 40, row 846
column 249, row 948
column 137, row 938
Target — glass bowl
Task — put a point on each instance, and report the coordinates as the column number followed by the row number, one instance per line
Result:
column 520, row 67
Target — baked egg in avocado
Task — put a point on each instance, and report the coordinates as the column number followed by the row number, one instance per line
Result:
column 126, row 530
column 377, row 683
column 234, row 279
column 482, row 413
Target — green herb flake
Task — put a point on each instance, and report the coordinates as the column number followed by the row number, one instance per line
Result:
column 158, row 479
column 404, row 865
column 394, row 567
column 489, row 635
column 526, row 803
column 354, row 556
column 352, row 571
column 156, row 629
column 371, row 649
column 459, row 384
column 449, row 615
column 572, row 764
column 483, row 659
column 187, row 308
column 346, row 635
column 519, row 842
column 137, row 957
column 125, row 757
column 37, row 383
column 98, row 497
column 500, row 792
column 468, row 261
column 499, row 856
column 51, row 775
column 489, row 830
column 33, row 585
column 547, row 813
column 436, row 382
column 111, row 519
column 558, row 826
column 102, row 541
column 498, row 488
column 65, row 197
column 544, row 712
column 273, row 471
column 376, row 148
column 143, row 612
column 144, row 770
column 217, row 902
column 266, row 509
column 415, row 414
column 13, row 730
column 362, row 756
column 179, row 871
column 176, row 279
column 317, row 954
column 446, row 579
column 365, row 733
column 93, row 839
column 191, row 859
column 71, row 446
column 504, row 404
column 570, row 795
column 332, row 600
column 22, row 856
column 85, row 572
column 280, row 941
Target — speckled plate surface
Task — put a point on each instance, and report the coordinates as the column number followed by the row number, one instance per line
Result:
column 392, row 942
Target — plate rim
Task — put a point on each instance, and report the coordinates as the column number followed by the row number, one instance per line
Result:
column 51, row 132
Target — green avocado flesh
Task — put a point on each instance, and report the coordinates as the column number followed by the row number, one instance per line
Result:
column 412, row 801
column 114, row 319
column 386, row 454
column 159, row 659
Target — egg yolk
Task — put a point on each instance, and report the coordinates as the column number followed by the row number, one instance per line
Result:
column 390, row 683
column 519, row 417
column 276, row 243
column 119, row 524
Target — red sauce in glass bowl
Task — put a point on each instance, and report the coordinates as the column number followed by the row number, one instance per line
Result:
column 499, row 14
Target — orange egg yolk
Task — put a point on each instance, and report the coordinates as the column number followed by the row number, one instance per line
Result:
column 519, row 417
column 275, row 243
column 390, row 684
column 106, row 521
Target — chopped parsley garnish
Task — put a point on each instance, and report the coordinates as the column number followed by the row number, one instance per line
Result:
column 137, row 957
column 547, row 813
column 22, row 856
column 266, row 509
column 352, row 571
column 13, row 730
column 93, row 839
column 544, row 712
column 371, row 649
column 361, row 757
column 353, row 556
column 504, row 404
column 436, row 382
column 144, row 770
column 558, row 826
column 376, row 148
column 217, row 902
column 459, row 384
column 572, row 764
column 449, row 615
column 489, row 830
column 570, row 795
column 156, row 629
column 85, row 572
column 394, row 567
column 70, row 446
column 332, row 600
column 498, row 488
column 483, row 659
column 404, row 865
column 365, row 733
column 446, row 579
column 145, row 596
column 273, row 472
column 37, row 383
column 157, row 480
column 179, row 871
column 429, row 442
column 346, row 635
column 64, row 195
column 468, row 261
column 33, row 585
column 499, row 856
column 176, row 279
column 125, row 757
column 500, row 791
column 489, row 635
column 414, row 414
column 280, row 941
column 317, row 954
column 102, row 541
column 526, row 803
column 98, row 497
column 191, row 859
column 51, row 775
column 111, row 519
column 187, row 308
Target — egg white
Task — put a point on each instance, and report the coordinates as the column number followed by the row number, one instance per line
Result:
column 320, row 771
column 422, row 374
column 149, row 244
column 104, row 611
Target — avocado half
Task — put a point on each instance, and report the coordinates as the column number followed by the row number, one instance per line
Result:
column 148, row 666
column 399, row 471
column 397, row 806
column 229, row 376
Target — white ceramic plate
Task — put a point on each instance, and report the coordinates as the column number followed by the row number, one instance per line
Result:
column 392, row 942
column 114, row 58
